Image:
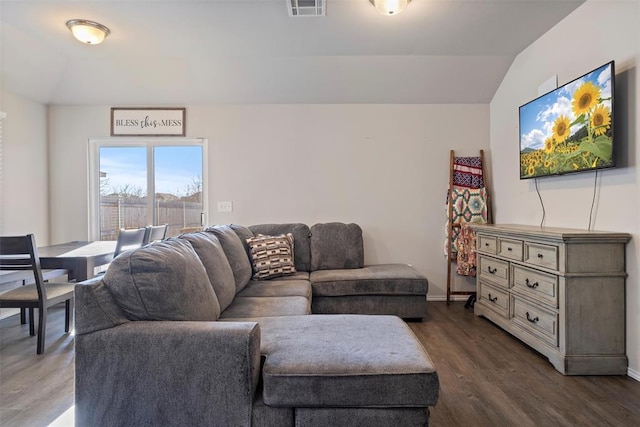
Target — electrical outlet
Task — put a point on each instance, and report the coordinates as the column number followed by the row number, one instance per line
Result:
column 225, row 206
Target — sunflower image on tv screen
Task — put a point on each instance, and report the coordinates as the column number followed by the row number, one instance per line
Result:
column 570, row 129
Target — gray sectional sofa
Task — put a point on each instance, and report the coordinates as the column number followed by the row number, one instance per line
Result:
column 181, row 333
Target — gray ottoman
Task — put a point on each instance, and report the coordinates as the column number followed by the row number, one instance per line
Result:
column 372, row 366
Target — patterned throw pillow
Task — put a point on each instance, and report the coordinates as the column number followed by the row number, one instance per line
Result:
column 271, row 256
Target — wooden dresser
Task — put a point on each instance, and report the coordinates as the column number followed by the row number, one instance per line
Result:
column 559, row 290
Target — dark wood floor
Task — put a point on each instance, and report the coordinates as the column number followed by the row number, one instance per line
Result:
column 35, row 389
column 487, row 378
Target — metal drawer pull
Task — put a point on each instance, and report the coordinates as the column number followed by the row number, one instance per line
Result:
column 530, row 285
column 532, row 320
column 494, row 299
column 486, row 244
column 509, row 249
column 540, row 255
column 492, row 271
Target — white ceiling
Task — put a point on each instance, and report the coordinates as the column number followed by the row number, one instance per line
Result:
column 251, row 51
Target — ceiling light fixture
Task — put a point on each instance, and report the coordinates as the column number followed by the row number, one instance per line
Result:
column 88, row 32
column 390, row 7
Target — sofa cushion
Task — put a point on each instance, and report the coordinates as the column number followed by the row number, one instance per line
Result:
column 298, row 275
column 336, row 246
column 163, row 281
column 215, row 262
column 236, row 253
column 301, row 233
column 277, row 288
column 243, row 232
column 381, row 279
column 372, row 361
column 251, row 307
column 271, row 256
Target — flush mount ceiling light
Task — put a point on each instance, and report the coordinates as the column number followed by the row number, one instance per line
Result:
column 88, row 32
column 390, row 7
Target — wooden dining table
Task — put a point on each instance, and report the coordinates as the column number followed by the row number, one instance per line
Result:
column 78, row 259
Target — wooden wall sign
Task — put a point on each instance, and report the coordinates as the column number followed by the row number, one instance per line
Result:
column 148, row 121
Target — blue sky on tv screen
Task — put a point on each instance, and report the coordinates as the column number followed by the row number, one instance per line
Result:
column 537, row 117
column 176, row 168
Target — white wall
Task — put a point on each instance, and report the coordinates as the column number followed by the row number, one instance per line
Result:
column 594, row 34
column 24, row 192
column 385, row 167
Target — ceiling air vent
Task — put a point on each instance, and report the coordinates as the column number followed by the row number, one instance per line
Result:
column 306, row 7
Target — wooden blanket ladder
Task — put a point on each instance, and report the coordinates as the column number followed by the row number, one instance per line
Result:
column 455, row 167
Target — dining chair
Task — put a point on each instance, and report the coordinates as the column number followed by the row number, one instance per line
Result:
column 155, row 233
column 21, row 253
column 129, row 239
column 47, row 275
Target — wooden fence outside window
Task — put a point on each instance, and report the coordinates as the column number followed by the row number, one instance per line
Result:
column 131, row 212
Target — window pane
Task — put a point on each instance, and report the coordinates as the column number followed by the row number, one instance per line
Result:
column 123, row 189
column 178, row 187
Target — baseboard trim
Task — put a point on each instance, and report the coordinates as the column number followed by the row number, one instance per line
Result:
column 633, row 374
column 444, row 298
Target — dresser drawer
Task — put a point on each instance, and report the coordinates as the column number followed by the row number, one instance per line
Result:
column 511, row 249
column 535, row 319
column 536, row 284
column 486, row 244
column 541, row 255
column 493, row 270
column 494, row 298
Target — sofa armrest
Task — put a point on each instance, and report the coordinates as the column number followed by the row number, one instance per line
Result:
column 167, row 373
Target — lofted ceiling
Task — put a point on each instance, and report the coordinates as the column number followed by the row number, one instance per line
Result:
column 251, row 51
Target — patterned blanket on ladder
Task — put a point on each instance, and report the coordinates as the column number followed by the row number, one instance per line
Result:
column 469, row 205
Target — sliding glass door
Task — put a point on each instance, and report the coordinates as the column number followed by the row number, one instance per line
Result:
column 141, row 183
column 178, row 188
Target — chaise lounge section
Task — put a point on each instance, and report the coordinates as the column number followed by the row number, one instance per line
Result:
column 180, row 333
column 331, row 255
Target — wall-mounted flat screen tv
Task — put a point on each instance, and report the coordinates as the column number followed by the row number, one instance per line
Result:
column 569, row 129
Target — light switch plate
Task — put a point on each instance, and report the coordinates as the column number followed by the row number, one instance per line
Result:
column 225, row 206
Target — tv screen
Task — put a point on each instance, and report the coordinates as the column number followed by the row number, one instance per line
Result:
column 569, row 129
